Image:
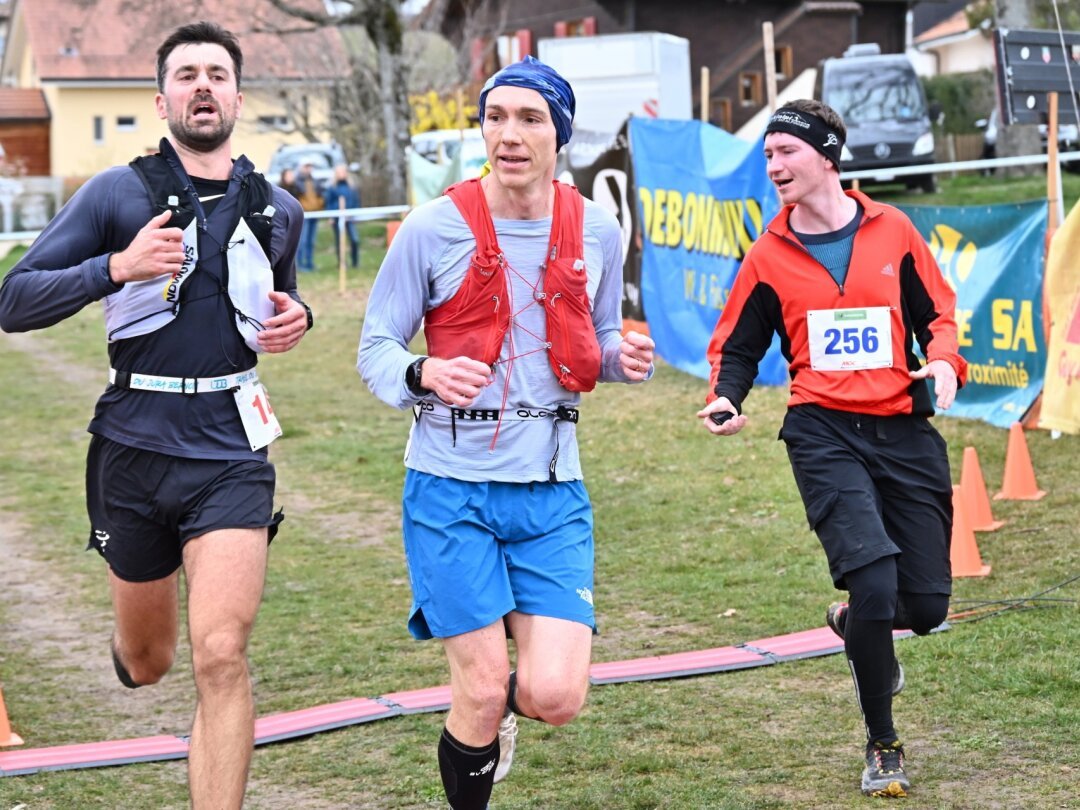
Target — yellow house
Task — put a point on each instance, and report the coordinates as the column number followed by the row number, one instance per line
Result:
column 94, row 62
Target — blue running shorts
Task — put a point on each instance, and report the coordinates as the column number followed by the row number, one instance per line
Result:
column 477, row 551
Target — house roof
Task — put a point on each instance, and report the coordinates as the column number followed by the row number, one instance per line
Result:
column 116, row 40
column 23, row 104
column 950, row 27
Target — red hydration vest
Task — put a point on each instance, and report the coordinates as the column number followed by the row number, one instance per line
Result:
column 475, row 320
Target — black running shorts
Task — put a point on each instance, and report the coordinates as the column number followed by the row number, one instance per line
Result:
column 144, row 506
column 875, row 486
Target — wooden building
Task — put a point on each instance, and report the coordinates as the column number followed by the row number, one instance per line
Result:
column 725, row 36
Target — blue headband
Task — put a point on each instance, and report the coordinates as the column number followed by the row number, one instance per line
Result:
column 533, row 74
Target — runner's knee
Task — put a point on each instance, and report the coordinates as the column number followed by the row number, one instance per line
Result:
column 220, row 657
column 557, row 702
column 873, row 590
column 147, row 664
column 922, row 612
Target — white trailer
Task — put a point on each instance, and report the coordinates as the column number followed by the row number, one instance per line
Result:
column 614, row 76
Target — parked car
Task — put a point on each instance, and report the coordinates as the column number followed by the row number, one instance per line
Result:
column 441, row 146
column 884, row 107
column 1068, row 139
column 323, row 157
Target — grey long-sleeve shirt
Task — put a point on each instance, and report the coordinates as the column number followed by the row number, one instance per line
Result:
column 424, row 267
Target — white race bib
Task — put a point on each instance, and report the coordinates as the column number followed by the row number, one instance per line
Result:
column 260, row 424
column 850, row 339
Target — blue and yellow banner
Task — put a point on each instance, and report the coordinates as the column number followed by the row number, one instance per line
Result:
column 992, row 255
column 703, row 198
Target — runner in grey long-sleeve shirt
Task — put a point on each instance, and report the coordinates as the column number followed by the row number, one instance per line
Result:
column 496, row 520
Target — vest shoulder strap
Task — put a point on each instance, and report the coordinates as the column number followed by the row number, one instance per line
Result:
column 166, row 192
column 468, row 197
column 164, row 189
column 568, row 225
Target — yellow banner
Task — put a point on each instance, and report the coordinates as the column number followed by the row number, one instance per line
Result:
column 1061, row 387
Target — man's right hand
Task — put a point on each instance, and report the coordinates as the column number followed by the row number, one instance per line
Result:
column 155, row 251
column 458, row 381
column 722, row 405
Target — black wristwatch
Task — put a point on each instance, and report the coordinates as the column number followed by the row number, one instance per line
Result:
column 310, row 316
column 413, row 375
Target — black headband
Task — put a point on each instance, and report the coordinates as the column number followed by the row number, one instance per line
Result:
column 808, row 127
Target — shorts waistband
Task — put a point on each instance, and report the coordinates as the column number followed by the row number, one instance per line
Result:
column 180, row 385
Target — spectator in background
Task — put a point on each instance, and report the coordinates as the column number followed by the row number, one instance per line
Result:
column 306, row 189
column 288, row 181
column 341, row 194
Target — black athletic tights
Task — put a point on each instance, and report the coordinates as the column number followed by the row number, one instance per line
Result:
column 876, row 608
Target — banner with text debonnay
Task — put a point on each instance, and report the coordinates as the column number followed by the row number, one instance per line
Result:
column 992, row 255
column 703, row 198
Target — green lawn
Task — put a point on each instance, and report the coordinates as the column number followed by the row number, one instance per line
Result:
column 701, row 542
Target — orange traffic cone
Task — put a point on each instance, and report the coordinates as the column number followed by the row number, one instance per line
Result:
column 973, row 488
column 1019, row 482
column 7, row 736
column 964, row 554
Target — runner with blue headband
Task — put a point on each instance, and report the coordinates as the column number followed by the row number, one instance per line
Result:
column 516, row 280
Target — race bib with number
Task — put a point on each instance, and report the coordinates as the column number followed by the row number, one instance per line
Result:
column 260, row 424
column 850, row 339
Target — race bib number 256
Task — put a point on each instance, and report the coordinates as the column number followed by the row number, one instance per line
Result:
column 850, row 339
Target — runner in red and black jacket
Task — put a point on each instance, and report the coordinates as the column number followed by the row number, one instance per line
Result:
column 850, row 286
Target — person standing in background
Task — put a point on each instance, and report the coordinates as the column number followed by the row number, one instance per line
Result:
column 342, row 194
column 311, row 199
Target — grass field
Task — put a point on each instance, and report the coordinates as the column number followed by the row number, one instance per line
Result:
column 701, row 542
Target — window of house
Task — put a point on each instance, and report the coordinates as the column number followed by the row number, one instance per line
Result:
column 274, row 123
column 785, row 61
column 585, row 27
column 750, row 88
column 125, row 123
column 723, row 113
column 99, row 129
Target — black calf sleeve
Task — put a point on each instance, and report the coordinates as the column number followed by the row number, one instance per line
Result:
column 467, row 773
column 869, row 648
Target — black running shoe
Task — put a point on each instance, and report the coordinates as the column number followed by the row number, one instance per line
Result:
column 884, row 777
column 836, row 617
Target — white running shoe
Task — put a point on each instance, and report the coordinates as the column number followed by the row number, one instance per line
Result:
column 508, row 730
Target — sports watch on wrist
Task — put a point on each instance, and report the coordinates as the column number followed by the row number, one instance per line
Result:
column 310, row 315
column 413, row 375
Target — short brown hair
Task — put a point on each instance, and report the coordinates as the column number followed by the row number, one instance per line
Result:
column 197, row 34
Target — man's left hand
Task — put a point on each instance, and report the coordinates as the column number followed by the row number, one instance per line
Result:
column 636, row 355
column 284, row 330
column 944, row 381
